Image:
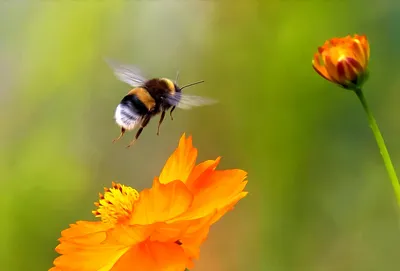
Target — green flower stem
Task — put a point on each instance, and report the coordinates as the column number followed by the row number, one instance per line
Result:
column 381, row 144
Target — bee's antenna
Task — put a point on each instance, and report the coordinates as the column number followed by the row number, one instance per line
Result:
column 177, row 77
column 192, row 84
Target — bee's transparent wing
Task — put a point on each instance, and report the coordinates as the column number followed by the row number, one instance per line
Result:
column 127, row 73
column 185, row 101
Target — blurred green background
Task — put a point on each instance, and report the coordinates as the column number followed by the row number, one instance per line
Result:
column 319, row 197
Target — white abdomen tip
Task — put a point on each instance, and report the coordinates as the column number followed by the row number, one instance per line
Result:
column 125, row 118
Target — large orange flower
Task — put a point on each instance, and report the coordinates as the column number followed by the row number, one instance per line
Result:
column 344, row 61
column 158, row 229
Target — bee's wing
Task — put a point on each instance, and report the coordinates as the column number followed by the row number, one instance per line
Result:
column 185, row 101
column 127, row 73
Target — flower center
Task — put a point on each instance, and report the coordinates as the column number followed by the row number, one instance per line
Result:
column 342, row 57
column 116, row 205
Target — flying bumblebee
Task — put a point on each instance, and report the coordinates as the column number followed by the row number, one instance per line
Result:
column 148, row 98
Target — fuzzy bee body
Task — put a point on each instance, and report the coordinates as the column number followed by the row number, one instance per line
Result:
column 161, row 90
column 131, row 108
column 149, row 98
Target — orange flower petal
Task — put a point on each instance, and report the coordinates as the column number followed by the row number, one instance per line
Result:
column 173, row 231
column 202, row 170
column 331, row 68
column 161, row 202
column 195, row 235
column 222, row 211
column 216, row 192
column 129, row 235
column 365, row 44
column 84, row 227
column 353, row 67
column 98, row 257
column 152, row 256
column 83, row 232
column 180, row 163
column 167, row 232
column 80, row 252
column 191, row 242
column 321, row 70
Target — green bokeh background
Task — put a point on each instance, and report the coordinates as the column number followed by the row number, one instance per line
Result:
column 319, row 197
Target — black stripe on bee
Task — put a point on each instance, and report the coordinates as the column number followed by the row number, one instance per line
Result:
column 133, row 104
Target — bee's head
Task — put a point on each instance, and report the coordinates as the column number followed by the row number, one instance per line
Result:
column 170, row 85
column 177, row 88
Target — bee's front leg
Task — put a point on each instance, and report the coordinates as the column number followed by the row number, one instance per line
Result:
column 170, row 112
column 160, row 121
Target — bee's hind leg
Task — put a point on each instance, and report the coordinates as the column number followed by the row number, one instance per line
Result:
column 120, row 135
column 144, row 123
column 136, row 137
column 161, row 120
column 170, row 112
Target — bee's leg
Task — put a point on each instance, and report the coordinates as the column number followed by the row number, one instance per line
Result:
column 121, row 135
column 159, row 123
column 144, row 123
column 170, row 112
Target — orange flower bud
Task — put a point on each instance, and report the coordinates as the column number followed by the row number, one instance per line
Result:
column 343, row 61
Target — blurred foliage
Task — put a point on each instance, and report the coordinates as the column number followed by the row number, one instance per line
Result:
column 319, row 195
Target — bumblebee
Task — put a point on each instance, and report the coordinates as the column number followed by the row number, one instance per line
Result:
column 149, row 98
